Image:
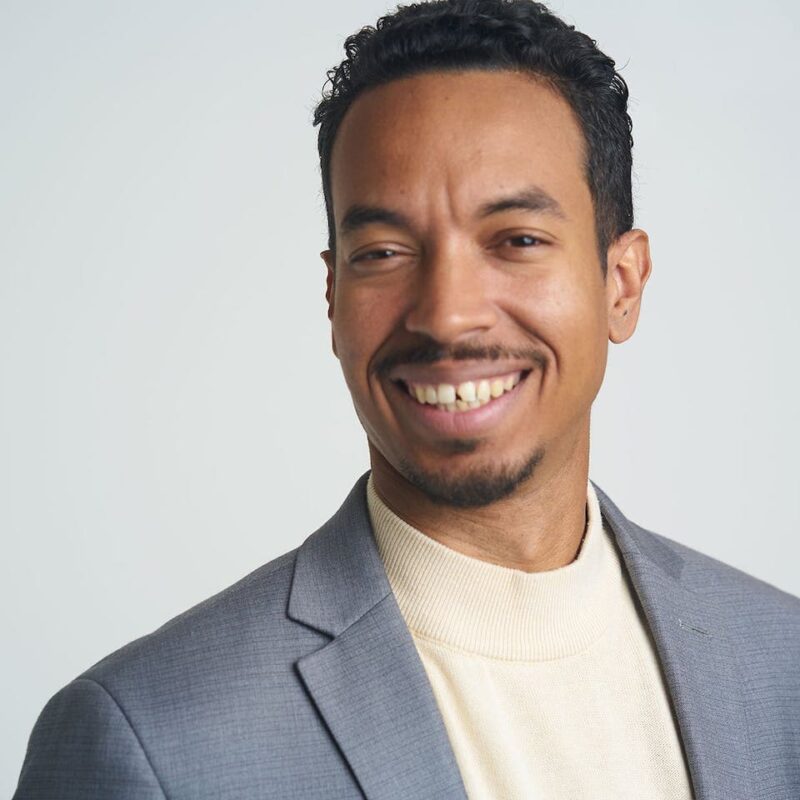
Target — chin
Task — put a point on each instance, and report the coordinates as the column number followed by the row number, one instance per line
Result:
column 474, row 487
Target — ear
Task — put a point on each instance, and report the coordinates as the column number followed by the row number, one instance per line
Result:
column 628, row 269
column 330, row 285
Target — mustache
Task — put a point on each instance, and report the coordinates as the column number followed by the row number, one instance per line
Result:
column 431, row 353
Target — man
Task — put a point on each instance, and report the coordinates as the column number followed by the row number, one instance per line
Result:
column 478, row 619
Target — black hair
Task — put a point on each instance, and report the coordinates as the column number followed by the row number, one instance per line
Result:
column 517, row 35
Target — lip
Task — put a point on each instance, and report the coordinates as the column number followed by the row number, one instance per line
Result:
column 428, row 419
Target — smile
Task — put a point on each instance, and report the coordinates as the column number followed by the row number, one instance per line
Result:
column 465, row 396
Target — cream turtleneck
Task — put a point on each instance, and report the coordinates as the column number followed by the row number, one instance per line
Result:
column 548, row 682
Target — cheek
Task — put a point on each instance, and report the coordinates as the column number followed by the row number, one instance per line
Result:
column 361, row 323
column 569, row 317
column 584, row 344
column 561, row 306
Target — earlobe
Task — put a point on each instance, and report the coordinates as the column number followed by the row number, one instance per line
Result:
column 629, row 268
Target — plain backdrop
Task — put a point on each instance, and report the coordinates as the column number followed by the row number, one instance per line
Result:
column 171, row 415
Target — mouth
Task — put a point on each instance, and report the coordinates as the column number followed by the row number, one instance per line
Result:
column 465, row 396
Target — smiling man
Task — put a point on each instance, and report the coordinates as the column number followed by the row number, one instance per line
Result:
column 471, row 307
column 478, row 619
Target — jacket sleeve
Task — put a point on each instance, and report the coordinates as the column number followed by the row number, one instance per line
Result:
column 83, row 746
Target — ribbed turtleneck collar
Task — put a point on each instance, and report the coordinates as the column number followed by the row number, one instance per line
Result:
column 496, row 611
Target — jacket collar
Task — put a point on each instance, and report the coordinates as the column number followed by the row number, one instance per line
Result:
column 338, row 574
column 699, row 659
column 371, row 688
column 368, row 682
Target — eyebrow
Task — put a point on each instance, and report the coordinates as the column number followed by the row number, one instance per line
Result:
column 360, row 216
column 531, row 199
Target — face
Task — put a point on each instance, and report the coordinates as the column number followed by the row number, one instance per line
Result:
column 469, row 309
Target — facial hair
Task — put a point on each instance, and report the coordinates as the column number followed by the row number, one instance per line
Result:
column 478, row 488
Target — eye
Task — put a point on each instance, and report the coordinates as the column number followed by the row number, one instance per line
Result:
column 523, row 240
column 375, row 255
column 519, row 246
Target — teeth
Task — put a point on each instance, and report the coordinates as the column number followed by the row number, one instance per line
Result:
column 466, row 391
column 446, row 393
column 465, row 396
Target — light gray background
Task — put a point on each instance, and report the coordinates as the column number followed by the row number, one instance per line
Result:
column 170, row 413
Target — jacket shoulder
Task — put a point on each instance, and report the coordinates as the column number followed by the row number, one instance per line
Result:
column 706, row 575
column 246, row 618
column 83, row 748
column 697, row 572
column 208, row 705
column 761, row 621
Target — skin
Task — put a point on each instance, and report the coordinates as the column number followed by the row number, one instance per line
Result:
column 440, row 272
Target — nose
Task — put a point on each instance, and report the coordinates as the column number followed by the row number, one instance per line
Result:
column 452, row 300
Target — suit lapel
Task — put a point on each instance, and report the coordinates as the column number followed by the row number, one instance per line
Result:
column 699, row 661
column 368, row 682
column 370, row 687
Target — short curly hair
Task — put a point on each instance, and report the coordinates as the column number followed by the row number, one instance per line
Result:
column 495, row 35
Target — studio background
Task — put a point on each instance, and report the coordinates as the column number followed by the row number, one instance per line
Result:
column 171, row 415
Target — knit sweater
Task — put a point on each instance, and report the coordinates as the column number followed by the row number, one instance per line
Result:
column 548, row 682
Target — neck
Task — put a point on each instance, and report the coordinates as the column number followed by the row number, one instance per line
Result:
column 538, row 527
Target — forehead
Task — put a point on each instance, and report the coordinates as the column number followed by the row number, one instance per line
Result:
column 462, row 136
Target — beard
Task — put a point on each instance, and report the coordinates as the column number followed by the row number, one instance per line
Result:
column 478, row 488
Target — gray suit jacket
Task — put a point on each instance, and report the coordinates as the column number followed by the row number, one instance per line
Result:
column 302, row 681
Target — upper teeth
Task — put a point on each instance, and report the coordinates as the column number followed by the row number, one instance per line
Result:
column 470, row 394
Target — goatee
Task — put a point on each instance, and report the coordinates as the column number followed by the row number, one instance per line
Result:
column 476, row 489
